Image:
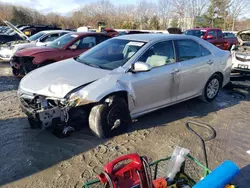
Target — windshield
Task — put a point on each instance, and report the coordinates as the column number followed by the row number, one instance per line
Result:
column 36, row 36
column 110, row 54
column 8, row 31
column 62, row 41
column 14, row 33
column 197, row 33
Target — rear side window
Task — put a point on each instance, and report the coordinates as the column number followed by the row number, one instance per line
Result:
column 188, row 49
column 220, row 34
column 204, row 51
column 212, row 33
column 229, row 35
column 102, row 38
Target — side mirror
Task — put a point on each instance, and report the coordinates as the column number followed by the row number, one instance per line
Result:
column 140, row 67
column 210, row 37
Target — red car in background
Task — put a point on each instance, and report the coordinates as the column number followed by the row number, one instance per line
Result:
column 230, row 39
column 67, row 46
column 212, row 35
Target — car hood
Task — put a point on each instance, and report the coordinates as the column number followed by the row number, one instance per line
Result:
column 34, row 50
column 58, row 79
column 25, row 45
column 18, row 31
column 243, row 36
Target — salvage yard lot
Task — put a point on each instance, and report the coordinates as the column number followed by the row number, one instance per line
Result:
column 35, row 158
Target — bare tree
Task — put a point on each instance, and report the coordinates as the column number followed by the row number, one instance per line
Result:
column 180, row 9
column 196, row 9
column 145, row 11
column 238, row 8
column 5, row 11
column 164, row 7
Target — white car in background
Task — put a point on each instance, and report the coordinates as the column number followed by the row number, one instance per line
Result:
column 40, row 39
column 241, row 53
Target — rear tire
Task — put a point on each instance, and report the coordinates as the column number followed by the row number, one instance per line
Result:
column 211, row 89
column 109, row 119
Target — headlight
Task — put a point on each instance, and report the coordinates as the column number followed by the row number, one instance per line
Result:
column 78, row 98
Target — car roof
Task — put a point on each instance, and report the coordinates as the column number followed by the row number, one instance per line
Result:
column 204, row 29
column 154, row 37
column 55, row 31
column 88, row 33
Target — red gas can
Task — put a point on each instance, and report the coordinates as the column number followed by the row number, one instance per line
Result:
column 127, row 175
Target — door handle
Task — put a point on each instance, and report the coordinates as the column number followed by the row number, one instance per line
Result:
column 175, row 71
column 210, row 62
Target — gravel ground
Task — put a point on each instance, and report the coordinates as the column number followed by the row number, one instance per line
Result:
column 35, row 158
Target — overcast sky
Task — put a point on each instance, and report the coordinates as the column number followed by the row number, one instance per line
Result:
column 60, row 6
column 65, row 6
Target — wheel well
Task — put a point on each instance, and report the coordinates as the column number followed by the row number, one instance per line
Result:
column 220, row 75
column 122, row 94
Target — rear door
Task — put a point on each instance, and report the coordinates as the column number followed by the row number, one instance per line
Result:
column 220, row 40
column 196, row 67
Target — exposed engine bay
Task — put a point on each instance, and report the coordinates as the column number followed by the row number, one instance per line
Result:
column 244, row 40
column 243, row 49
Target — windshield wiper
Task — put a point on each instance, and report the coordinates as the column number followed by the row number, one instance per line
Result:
column 90, row 64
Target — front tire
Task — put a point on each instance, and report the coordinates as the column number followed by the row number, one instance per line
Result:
column 109, row 118
column 211, row 89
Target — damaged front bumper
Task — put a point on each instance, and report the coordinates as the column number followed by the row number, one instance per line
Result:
column 47, row 112
column 22, row 64
column 43, row 115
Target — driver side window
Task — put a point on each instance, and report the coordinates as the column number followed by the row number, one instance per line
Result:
column 159, row 54
column 84, row 43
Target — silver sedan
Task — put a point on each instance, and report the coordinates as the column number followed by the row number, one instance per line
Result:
column 121, row 79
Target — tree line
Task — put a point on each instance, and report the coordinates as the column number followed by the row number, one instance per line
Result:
column 224, row 14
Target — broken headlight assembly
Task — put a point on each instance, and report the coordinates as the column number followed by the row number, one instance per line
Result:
column 78, row 98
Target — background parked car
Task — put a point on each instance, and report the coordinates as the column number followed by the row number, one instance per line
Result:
column 230, row 40
column 3, row 29
column 241, row 53
column 28, row 30
column 40, row 39
column 123, row 78
column 212, row 35
column 67, row 46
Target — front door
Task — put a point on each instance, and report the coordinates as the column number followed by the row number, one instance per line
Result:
column 80, row 46
column 196, row 67
column 159, row 86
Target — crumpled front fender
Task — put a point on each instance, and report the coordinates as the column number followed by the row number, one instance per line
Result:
column 101, row 88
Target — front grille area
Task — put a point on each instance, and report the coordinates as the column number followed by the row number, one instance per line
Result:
column 242, row 59
column 25, row 62
column 29, row 103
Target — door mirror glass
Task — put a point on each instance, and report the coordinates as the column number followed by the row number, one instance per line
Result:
column 210, row 37
column 140, row 67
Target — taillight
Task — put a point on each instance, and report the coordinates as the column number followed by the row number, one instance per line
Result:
column 226, row 45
